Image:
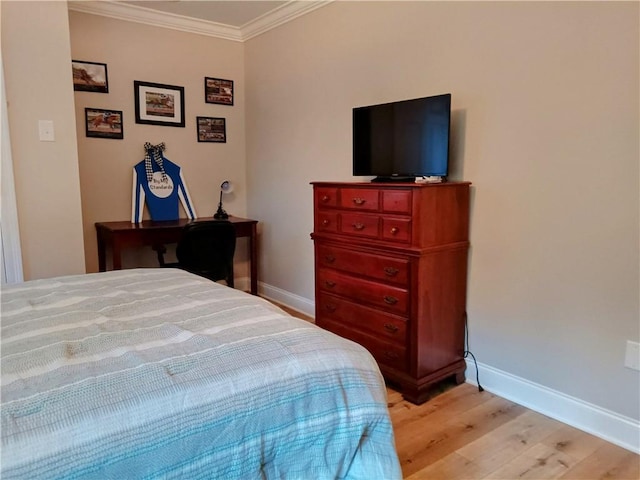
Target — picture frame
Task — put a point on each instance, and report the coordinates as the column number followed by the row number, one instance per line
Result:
column 218, row 90
column 159, row 104
column 101, row 123
column 90, row 76
column 211, row 129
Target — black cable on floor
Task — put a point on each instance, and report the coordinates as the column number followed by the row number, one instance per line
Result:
column 467, row 352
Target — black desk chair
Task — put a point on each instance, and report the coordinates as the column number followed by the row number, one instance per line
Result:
column 206, row 248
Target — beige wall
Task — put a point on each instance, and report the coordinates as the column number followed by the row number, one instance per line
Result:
column 545, row 100
column 36, row 57
column 138, row 52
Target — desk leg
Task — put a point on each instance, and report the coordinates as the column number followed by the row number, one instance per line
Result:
column 253, row 247
column 117, row 259
column 102, row 254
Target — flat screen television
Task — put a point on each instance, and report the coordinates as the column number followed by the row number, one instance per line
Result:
column 400, row 141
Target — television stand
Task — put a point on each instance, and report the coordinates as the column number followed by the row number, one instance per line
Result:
column 393, row 179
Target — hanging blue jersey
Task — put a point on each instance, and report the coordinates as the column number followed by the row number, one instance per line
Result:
column 161, row 186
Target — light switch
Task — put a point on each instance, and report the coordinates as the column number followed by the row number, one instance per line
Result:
column 46, row 130
column 632, row 355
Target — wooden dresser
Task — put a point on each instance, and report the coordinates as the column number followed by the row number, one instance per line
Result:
column 391, row 274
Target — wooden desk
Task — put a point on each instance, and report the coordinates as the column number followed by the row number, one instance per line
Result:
column 120, row 235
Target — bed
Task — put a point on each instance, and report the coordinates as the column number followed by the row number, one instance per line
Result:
column 158, row 373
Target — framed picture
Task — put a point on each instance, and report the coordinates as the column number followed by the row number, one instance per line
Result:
column 217, row 90
column 158, row 104
column 211, row 129
column 102, row 123
column 90, row 76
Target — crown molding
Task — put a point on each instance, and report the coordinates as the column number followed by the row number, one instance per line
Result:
column 283, row 14
column 148, row 16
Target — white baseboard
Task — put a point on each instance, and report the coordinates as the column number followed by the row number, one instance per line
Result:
column 288, row 299
column 610, row 426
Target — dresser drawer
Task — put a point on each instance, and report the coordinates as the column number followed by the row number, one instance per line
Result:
column 396, row 229
column 359, row 199
column 390, row 298
column 326, row 197
column 390, row 354
column 376, row 266
column 360, row 225
column 352, row 315
column 326, row 221
column 396, row 201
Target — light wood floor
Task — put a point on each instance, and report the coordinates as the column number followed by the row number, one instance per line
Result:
column 461, row 433
column 466, row 434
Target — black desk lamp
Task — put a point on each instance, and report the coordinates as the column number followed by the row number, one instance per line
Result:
column 225, row 187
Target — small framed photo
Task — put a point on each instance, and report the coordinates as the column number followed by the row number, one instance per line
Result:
column 217, row 90
column 90, row 76
column 158, row 104
column 211, row 129
column 102, row 123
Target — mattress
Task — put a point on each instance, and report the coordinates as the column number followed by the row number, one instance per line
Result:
column 158, row 373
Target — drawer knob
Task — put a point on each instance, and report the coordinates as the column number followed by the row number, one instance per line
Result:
column 329, row 283
column 390, row 271
column 394, row 230
column 325, row 222
column 390, row 327
column 330, row 307
column 326, row 198
column 359, row 201
column 358, row 226
column 391, row 355
column 329, row 258
column 389, row 300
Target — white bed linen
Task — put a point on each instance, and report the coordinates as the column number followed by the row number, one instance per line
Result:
column 158, row 373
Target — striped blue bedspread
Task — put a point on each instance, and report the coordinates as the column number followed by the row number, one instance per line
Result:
column 158, row 373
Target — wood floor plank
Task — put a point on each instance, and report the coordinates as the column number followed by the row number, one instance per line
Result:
column 450, row 467
column 535, row 463
column 573, row 442
column 455, row 400
column 464, row 434
column 607, row 462
column 424, row 441
column 514, row 438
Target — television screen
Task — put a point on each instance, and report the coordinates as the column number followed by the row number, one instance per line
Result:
column 404, row 139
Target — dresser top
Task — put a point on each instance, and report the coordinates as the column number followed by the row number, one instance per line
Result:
column 389, row 184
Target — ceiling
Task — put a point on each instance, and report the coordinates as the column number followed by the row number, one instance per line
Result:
column 235, row 13
column 237, row 20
